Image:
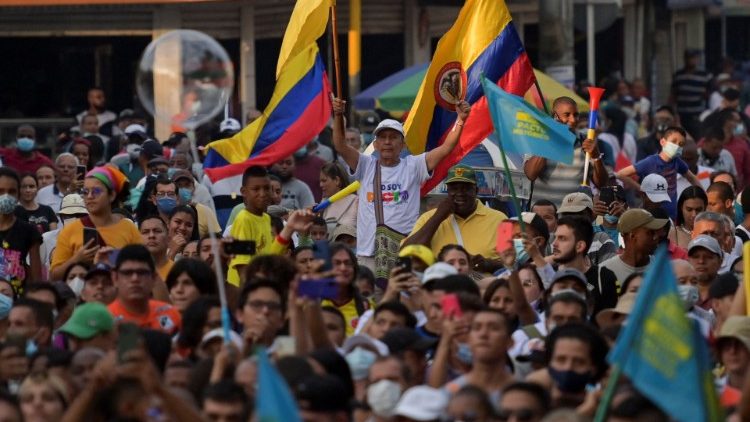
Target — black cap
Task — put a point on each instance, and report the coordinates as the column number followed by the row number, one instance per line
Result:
column 322, row 393
column 402, row 339
column 100, row 268
column 151, row 149
column 724, row 285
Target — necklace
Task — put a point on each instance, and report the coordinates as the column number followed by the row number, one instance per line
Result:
column 682, row 227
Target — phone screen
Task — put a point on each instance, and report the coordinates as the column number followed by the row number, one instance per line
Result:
column 127, row 340
column 90, row 233
column 326, row 288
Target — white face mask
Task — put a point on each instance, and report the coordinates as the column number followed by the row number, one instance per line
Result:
column 672, row 150
column 76, row 285
column 383, row 396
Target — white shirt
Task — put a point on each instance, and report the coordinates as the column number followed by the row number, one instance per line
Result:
column 50, row 196
column 629, row 146
column 49, row 241
column 400, row 186
column 683, row 183
column 521, row 340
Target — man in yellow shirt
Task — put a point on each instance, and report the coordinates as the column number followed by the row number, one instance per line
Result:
column 461, row 219
column 252, row 223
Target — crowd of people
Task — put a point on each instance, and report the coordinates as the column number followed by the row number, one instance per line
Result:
column 118, row 279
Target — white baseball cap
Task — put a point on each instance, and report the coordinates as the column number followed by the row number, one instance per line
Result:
column 655, row 187
column 135, row 128
column 230, row 124
column 422, row 403
column 389, row 124
column 72, row 204
column 437, row 271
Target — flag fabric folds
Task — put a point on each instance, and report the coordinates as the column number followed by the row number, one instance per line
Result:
column 524, row 129
column 299, row 109
column 276, row 403
column 483, row 40
column 663, row 352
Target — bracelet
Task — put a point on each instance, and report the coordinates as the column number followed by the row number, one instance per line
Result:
column 282, row 240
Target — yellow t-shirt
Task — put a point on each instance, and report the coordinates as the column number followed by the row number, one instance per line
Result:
column 349, row 310
column 248, row 226
column 479, row 231
column 70, row 239
column 164, row 269
column 206, row 221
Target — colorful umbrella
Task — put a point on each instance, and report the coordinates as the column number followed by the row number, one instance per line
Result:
column 396, row 93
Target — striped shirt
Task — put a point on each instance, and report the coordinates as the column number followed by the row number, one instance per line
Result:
column 690, row 89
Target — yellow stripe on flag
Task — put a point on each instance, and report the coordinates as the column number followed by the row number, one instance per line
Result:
column 307, row 24
column 478, row 24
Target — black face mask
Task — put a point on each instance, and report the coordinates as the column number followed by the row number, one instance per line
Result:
column 569, row 381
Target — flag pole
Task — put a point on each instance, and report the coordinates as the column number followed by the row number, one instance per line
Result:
column 546, row 111
column 609, row 393
column 335, row 43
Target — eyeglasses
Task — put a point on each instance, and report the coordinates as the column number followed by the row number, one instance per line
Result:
column 259, row 305
column 94, row 192
column 527, row 283
column 521, row 415
column 141, row 273
column 165, row 195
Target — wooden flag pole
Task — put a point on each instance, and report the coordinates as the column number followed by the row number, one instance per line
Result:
column 335, row 42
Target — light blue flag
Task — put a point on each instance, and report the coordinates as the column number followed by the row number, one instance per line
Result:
column 274, row 401
column 524, row 129
column 662, row 351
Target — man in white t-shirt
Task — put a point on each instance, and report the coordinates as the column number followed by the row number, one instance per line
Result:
column 400, row 179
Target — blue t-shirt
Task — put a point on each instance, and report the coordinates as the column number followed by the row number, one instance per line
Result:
column 668, row 169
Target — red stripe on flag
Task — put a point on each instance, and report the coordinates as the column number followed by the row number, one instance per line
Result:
column 315, row 116
column 517, row 80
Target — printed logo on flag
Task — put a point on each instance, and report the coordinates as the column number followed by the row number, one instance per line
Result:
column 527, row 125
column 450, row 85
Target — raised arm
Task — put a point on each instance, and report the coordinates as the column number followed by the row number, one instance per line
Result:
column 534, row 166
column 346, row 151
column 436, row 155
column 422, row 235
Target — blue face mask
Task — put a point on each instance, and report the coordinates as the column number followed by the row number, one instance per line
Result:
column 171, row 171
column 6, row 302
column 569, row 381
column 360, row 360
column 521, row 255
column 612, row 219
column 166, row 205
column 739, row 130
column 8, row 204
column 464, row 354
column 25, row 144
column 186, row 195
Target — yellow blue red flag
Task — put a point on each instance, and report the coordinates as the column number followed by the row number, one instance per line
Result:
column 299, row 109
column 483, row 40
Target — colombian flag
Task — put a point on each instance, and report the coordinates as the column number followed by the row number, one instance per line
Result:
column 299, row 109
column 483, row 40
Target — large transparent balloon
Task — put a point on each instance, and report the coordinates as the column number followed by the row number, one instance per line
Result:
column 184, row 79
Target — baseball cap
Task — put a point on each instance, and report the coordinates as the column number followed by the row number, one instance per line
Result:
column 535, row 221
column 89, row 320
column 723, row 77
column 461, row 173
column 389, row 124
column 707, row 242
column 655, row 187
column 157, row 160
column 277, row 211
column 135, row 129
column 218, row 334
column 418, row 251
column 422, row 403
column 725, row 285
column 321, row 393
column 573, row 273
column 737, row 327
column 637, row 217
column 368, row 342
column 437, row 271
column 343, row 229
column 151, row 149
column 180, row 174
column 575, row 202
column 400, row 339
column 613, row 316
column 230, row 124
column 72, row 204
column 100, row 268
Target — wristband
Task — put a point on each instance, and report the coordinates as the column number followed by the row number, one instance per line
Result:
column 282, row 240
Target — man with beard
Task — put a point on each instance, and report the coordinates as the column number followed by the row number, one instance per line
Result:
column 295, row 194
column 98, row 107
column 573, row 238
column 460, row 219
